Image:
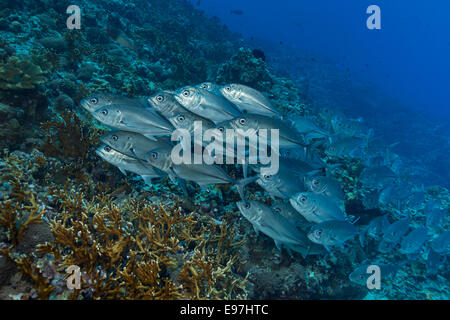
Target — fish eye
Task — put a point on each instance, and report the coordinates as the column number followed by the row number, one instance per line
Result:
column 186, row 93
column 228, row 88
column 107, row 149
column 204, row 86
column 115, row 138
column 159, row 98
column 155, row 155
column 247, row 205
column 267, row 177
column 315, row 182
column 105, row 112
column 277, row 209
column 180, row 118
column 94, row 100
column 221, row 129
column 242, row 121
column 303, row 199
column 318, row 233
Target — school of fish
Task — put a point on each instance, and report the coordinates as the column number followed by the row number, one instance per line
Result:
column 308, row 213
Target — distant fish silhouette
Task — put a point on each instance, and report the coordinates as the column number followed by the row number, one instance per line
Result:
column 237, row 12
column 120, row 37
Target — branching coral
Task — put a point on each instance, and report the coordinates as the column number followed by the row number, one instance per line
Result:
column 17, row 214
column 142, row 251
column 69, row 138
column 20, row 73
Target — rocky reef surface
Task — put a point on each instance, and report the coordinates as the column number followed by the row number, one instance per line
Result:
column 60, row 205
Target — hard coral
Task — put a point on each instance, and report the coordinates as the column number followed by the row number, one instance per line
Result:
column 142, row 251
column 20, row 73
column 69, row 138
column 244, row 68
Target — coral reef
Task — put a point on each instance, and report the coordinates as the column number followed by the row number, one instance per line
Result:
column 19, row 73
column 61, row 206
column 245, row 68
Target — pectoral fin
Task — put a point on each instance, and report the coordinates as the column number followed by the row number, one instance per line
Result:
column 148, row 180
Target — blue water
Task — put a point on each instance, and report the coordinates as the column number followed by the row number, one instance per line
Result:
column 395, row 78
column 407, row 58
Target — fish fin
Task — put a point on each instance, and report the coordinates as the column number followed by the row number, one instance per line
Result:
column 183, row 186
column 122, row 170
column 148, row 180
column 240, row 184
column 256, row 230
column 362, row 235
column 149, row 136
column 277, row 244
column 312, row 173
column 173, row 177
column 139, row 160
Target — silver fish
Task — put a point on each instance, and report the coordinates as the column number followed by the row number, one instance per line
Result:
column 414, row 241
column 287, row 211
column 249, row 99
column 433, row 214
column 124, row 117
column 275, row 226
column 211, row 87
column 332, row 233
column 203, row 174
column 305, row 154
column 327, row 186
column 388, row 272
column 316, row 207
column 206, row 104
column 377, row 177
column 165, row 103
column 133, row 144
column 297, row 166
column 101, row 99
column 308, row 128
column 346, row 147
column 393, row 234
column 252, row 123
column 441, row 244
column 375, row 228
column 186, row 120
column 435, row 261
column 283, row 185
column 125, row 163
column 396, row 231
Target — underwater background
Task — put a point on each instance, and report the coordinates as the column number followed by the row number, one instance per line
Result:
column 372, row 106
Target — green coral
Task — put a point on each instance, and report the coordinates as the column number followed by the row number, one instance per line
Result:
column 20, row 73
